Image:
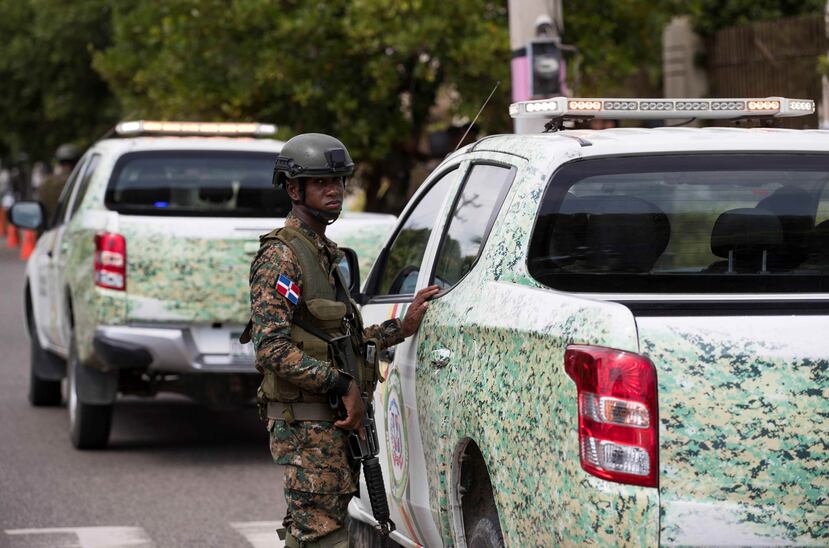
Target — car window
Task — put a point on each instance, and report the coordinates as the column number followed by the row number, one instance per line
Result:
column 474, row 211
column 741, row 223
column 196, row 183
column 402, row 263
column 66, row 194
column 83, row 185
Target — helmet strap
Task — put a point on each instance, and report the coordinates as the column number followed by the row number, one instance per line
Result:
column 323, row 217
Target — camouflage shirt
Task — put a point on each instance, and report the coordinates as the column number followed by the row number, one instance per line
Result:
column 272, row 315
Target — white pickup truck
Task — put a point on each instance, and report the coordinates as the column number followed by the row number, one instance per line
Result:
column 632, row 344
column 139, row 283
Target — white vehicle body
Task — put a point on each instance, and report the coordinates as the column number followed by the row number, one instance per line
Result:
column 165, row 310
column 428, row 410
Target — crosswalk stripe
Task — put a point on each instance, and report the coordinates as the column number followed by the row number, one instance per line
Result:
column 260, row 534
column 80, row 537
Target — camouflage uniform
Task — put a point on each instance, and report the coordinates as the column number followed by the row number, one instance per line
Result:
column 319, row 478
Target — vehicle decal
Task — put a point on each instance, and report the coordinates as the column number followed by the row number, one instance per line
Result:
column 397, row 439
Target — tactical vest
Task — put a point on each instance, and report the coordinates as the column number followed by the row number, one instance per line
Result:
column 324, row 310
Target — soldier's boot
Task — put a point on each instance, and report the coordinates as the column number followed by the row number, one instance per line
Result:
column 337, row 539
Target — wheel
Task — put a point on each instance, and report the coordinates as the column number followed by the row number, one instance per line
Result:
column 42, row 393
column 89, row 424
column 486, row 533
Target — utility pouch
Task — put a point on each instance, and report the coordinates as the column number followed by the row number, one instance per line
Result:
column 324, row 316
column 329, row 314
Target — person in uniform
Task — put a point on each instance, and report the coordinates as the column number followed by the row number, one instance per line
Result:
column 48, row 193
column 298, row 305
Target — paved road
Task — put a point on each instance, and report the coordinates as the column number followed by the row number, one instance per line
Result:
column 175, row 474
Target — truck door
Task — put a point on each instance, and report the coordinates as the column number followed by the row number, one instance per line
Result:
column 391, row 286
column 50, row 304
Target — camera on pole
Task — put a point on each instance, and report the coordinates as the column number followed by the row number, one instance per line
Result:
column 544, row 56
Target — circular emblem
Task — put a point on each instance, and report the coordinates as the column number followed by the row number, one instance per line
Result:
column 396, row 437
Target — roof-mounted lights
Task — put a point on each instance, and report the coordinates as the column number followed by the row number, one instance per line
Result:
column 149, row 127
column 582, row 105
column 635, row 108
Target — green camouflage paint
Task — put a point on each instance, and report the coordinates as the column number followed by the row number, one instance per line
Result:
column 743, row 412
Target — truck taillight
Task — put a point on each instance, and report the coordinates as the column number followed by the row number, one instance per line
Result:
column 111, row 261
column 618, row 419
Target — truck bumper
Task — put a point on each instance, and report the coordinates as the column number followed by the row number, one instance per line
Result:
column 173, row 349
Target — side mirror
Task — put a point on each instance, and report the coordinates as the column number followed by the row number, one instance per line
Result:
column 29, row 215
column 350, row 269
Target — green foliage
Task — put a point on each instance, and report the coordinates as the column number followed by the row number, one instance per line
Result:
column 621, row 41
column 620, row 44
column 823, row 65
column 50, row 93
column 367, row 71
column 710, row 16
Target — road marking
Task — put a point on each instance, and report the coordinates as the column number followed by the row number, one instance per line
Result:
column 260, row 534
column 80, row 537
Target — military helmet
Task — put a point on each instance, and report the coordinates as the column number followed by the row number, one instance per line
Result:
column 312, row 155
column 67, row 152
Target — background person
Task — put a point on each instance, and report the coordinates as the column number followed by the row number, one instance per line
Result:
column 48, row 193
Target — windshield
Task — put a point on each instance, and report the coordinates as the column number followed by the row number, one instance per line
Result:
column 196, row 183
column 736, row 223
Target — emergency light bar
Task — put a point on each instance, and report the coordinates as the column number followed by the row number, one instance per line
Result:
column 560, row 107
column 147, row 127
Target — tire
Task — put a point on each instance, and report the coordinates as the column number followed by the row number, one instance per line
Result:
column 89, row 425
column 42, row 393
column 486, row 533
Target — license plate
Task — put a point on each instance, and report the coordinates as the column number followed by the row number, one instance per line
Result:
column 239, row 351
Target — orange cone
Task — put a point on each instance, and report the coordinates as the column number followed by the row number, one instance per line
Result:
column 11, row 236
column 28, row 244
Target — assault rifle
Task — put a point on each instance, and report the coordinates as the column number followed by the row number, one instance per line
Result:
column 361, row 450
column 365, row 450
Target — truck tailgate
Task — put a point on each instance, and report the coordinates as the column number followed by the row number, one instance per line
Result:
column 192, row 269
column 744, row 436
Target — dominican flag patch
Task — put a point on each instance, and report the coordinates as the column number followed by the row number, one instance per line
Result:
column 287, row 288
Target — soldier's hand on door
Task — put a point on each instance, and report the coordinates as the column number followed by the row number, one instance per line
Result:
column 414, row 315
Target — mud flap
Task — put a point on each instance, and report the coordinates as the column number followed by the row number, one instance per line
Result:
column 48, row 366
column 97, row 387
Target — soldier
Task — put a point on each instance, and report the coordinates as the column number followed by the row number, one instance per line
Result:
column 66, row 156
column 297, row 290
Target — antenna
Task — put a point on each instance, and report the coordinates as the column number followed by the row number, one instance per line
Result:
column 472, row 123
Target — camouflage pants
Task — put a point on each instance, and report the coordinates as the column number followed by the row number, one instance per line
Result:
column 319, row 478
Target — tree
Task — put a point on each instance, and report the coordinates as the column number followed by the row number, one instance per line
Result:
column 50, row 93
column 620, row 44
column 710, row 16
column 368, row 71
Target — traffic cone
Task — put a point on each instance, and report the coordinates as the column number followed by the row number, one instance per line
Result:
column 28, row 244
column 11, row 236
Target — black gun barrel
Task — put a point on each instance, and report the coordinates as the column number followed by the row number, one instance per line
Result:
column 376, row 491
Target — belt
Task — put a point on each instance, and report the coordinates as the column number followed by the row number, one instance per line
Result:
column 291, row 412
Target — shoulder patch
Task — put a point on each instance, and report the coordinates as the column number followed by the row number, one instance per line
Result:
column 287, row 288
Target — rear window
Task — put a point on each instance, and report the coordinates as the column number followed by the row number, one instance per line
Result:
column 196, row 183
column 736, row 223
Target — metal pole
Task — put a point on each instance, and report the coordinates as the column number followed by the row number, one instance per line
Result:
column 528, row 19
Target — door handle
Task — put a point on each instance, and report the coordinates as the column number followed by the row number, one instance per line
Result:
column 441, row 357
column 387, row 354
